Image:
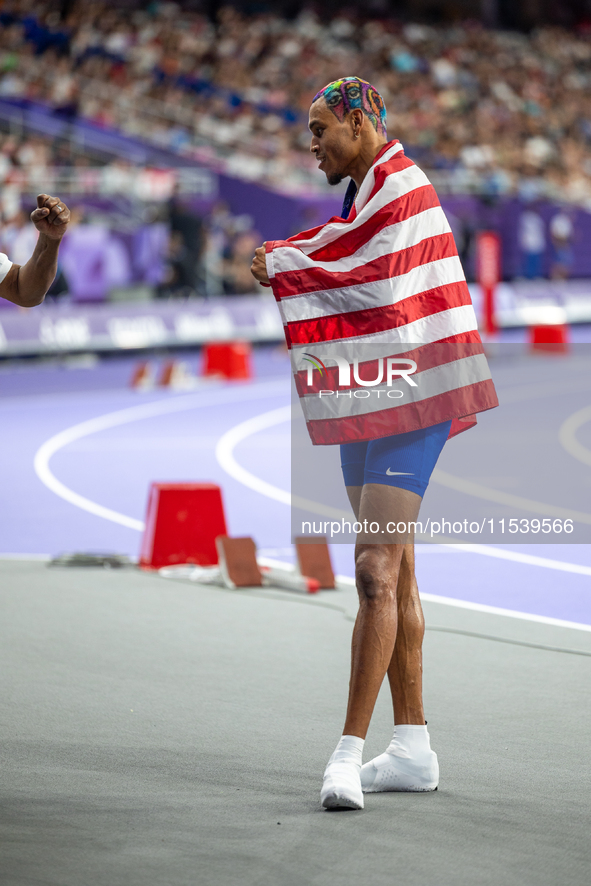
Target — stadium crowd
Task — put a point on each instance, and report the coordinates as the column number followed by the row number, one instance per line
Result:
column 210, row 255
column 499, row 111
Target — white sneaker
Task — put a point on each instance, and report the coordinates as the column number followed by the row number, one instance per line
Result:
column 395, row 770
column 341, row 788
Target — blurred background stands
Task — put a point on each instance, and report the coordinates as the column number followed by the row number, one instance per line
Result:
column 177, row 133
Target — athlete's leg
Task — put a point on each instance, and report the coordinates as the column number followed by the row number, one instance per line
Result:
column 406, row 460
column 374, row 636
column 408, row 763
column 377, row 568
column 384, row 559
column 354, row 494
column 405, row 671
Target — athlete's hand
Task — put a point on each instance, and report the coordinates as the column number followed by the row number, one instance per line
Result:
column 51, row 217
column 258, row 269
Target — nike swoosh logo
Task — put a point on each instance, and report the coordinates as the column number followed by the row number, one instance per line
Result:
column 399, row 473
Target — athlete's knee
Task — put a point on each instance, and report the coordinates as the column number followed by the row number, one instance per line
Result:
column 375, row 575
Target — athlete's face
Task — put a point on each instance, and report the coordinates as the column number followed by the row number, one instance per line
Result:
column 333, row 143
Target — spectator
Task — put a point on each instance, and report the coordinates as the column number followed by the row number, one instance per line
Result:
column 486, row 108
column 176, row 281
column 189, row 228
column 222, row 237
column 19, row 238
column 237, row 266
column 561, row 232
column 532, row 240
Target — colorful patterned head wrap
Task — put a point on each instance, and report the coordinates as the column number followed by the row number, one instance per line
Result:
column 342, row 96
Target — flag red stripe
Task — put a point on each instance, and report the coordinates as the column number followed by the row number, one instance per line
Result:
column 426, row 356
column 398, row 210
column 300, row 281
column 395, row 164
column 306, row 235
column 399, row 154
column 382, row 229
column 353, row 323
column 461, row 402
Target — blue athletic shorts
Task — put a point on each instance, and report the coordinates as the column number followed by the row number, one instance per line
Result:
column 403, row 460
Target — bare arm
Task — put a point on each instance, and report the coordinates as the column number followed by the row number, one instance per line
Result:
column 27, row 285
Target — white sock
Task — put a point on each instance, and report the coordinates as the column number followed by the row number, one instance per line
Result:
column 409, row 741
column 408, row 763
column 342, row 784
column 349, row 748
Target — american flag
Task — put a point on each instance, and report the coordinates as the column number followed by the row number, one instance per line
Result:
column 384, row 285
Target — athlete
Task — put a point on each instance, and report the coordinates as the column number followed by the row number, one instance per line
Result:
column 27, row 285
column 340, row 269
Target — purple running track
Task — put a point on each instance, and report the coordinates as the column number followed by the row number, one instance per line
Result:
column 113, row 467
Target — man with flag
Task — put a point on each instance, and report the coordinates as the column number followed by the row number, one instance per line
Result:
column 380, row 289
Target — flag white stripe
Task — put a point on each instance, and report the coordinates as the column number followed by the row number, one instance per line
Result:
column 379, row 293
column 430, row 383
column 396, row 185
column 415, row 230
column 370, row 179
column 402, row 235
column 425, row 330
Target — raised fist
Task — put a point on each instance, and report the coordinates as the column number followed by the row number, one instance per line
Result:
column 51, row 216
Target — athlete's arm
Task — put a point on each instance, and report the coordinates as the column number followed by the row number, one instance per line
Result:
column 27, row 285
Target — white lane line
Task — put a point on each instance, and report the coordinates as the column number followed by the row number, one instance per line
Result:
column 125, row 416
column 519, row 557
column 510, row 613
column 567, row 435
column 491, row 610
column 453, row 601
column 227, row 460
column 224, row 454
column 468, row 487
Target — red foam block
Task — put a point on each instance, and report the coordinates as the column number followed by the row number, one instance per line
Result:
column 546, row 337
column 182, row 523
column 228, row 359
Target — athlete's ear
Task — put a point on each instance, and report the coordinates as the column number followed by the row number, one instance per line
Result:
column 356, row 122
